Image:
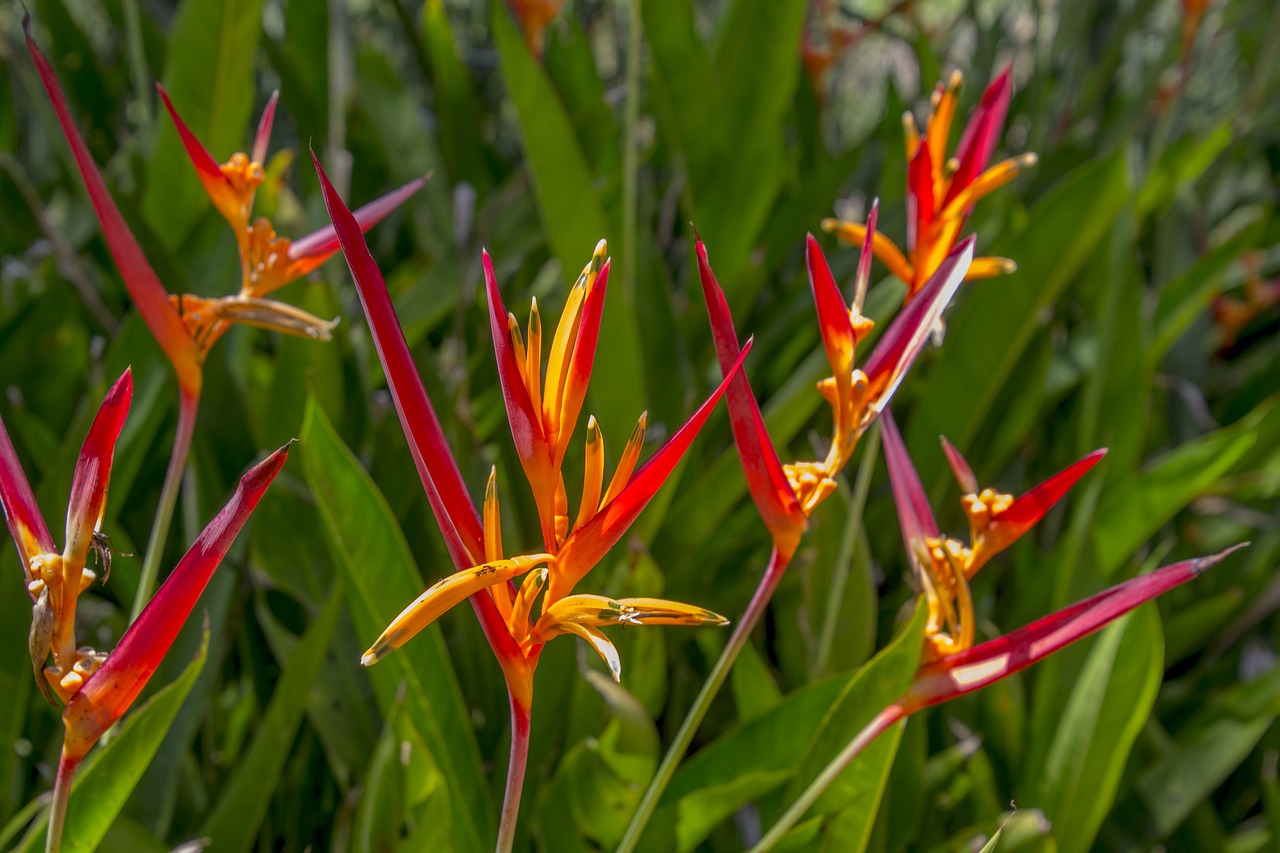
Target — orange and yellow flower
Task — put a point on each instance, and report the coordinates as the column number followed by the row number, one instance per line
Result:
column 942, row 191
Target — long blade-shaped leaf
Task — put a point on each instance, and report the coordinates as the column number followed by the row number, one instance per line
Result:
column 111, row 690
column 141, row 280
column 1031, row 506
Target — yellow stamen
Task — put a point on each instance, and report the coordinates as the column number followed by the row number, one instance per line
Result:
column 627, row 463
column 592, row 474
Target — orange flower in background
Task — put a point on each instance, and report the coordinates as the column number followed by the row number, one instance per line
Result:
column 1233, row 315
column 267, row 260
column 534, row 17
column 942, row 191
column 827, row 37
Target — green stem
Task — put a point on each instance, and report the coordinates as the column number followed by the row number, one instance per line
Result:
column 844, row 560
column 675, row 752
column 520, row 719
column 188, row 404
column 137, row 60
column 881, row 723
column 630, row 154
column 61, row 794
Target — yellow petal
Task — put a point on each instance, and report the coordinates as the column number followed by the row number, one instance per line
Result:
column 529, row 590
column 566, row 336
column 888, row 253
column 599, row 610
column 598, row 641
column 989, row 181
column 517, row 346
column 443, row 595
column 500, row 592
column 627, row 464
column 989, row 268
column 533, row 358
column 912, row 135
column 592, row 474
column 944, row 109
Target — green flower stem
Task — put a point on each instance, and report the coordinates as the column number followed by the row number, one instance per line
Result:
column 61, row 794
column 878, row 725
column 520, row 719
column 188, row 404
column 848, row 544
column 675, row 752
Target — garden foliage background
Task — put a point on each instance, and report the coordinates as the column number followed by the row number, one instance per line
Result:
column 1159, row 148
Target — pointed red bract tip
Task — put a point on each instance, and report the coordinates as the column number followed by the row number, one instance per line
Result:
column 975, row 668
column 26, row 524
column 833, row 314
column 914, row 513
column 589, row 543
column 206, row 166
column 863, row 278
column 982, row 133
column 262, row 138
column 964, row 474
column 321, row 244
column 112, row 689
column 1029, row 508
column 93, row 468
column 766, row 480
column 441, row 479
column 141, row 280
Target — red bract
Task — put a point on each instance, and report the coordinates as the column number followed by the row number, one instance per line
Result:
column 542, row 414
column 942, row 565
column 942, row 191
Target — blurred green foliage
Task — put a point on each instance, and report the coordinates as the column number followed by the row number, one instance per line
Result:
column 1153, row 197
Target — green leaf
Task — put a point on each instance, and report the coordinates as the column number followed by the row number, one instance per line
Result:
column 234, row 822
column 573, row 217
column 382, row 580
column 209, row 77
column 1184, row 161
column 856, row 793
column 1142, row 504
column 1106, row 709
column 988, row 333
column 457, row 106
column 110, row 773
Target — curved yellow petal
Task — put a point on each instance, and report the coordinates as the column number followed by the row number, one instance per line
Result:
column 598, row 641
column 599, row 610
column 443, row 595
column 884, row 248
column 989, row 268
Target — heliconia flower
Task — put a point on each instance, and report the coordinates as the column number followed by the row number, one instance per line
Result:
column 943, row 566
column 787, row 494
column 1233, row 315
column 964, row 671
column 267, row 260
column 534, row 17
column 543, row 411
column 97, row 688
column 942, row 191
column 56, row 579
column 144, row 285
column 186, row 326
